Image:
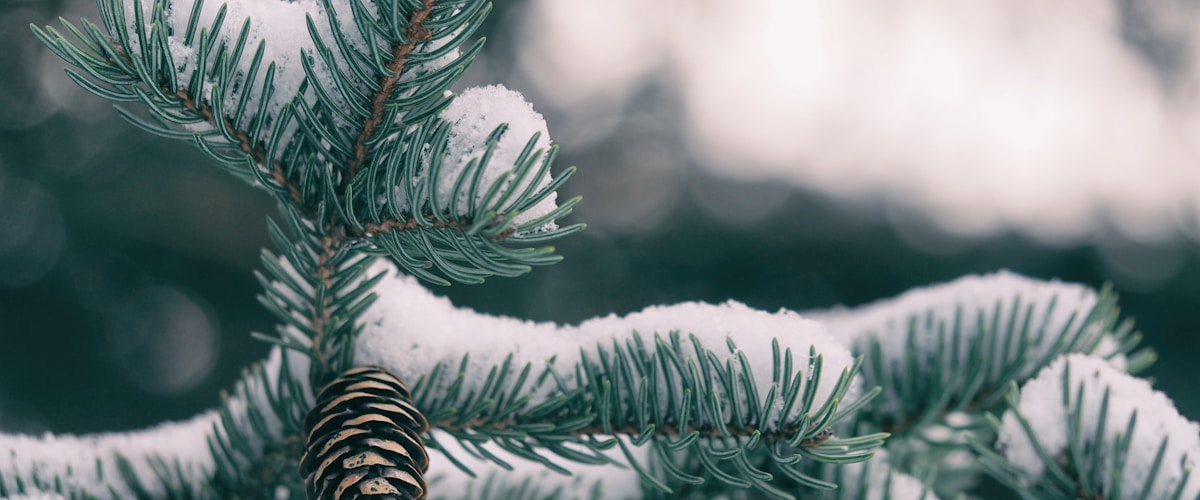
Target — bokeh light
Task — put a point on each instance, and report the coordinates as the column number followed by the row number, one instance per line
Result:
column 1060, row 121
column 31, row 237
column 164, row 339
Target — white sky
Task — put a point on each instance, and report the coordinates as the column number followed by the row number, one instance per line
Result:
column 984, row 115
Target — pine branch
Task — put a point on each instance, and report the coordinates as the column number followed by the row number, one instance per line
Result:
column 244, row 143
column 241, row 450
column 582, row 407
column 1084, row 429
column 111, row 464
column 671, row 433
column 317, row 289
column 322, row 112
column 523, row 479
column 668, row 392
column 256, row 439
column 958, row 346
column 478, row 224
column 945, row 355
column 414, row 33
column 126, row 74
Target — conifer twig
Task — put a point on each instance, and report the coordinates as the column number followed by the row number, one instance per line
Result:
column 416, row 33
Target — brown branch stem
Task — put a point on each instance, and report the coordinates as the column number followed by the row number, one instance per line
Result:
column 415, row 34
column 389, row 225
column 669, row 429
column 245, row 143
column 324, row 273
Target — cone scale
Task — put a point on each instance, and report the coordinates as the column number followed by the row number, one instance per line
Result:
column 364, row 440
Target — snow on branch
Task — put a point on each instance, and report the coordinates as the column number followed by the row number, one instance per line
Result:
column 476, row 114
column 217, row 453
column 92, row 464
column 307, row 44
column 267, row 30
column 342, row 109
column 489, row 157
column 188, row 459
column 467, row 195
column 959, row 344
column 293, row 85
column 409, row 331
column 714, row 381
column 1083, row 427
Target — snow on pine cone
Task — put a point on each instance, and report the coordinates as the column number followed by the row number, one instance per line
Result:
column 364, row 440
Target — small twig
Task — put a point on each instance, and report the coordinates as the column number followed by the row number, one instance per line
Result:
column 388, row 225
column 245, row 143
column 324, row 273
column 673, row 430
column 416, row 33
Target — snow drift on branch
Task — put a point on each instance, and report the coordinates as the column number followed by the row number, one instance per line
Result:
column 89, row 464
column 1010, row 311
column 475, row 114
column 1047, row 401
column 409, row 330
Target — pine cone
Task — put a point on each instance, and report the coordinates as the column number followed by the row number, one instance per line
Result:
column 364, row 440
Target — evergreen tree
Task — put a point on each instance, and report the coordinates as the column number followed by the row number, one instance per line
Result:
column 342, row 111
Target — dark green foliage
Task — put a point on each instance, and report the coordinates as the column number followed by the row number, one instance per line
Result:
column 979, row 353
column 343, row 143
column 704, row 420
column 1094, row 460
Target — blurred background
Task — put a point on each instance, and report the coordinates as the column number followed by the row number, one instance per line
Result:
column 783, row 153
